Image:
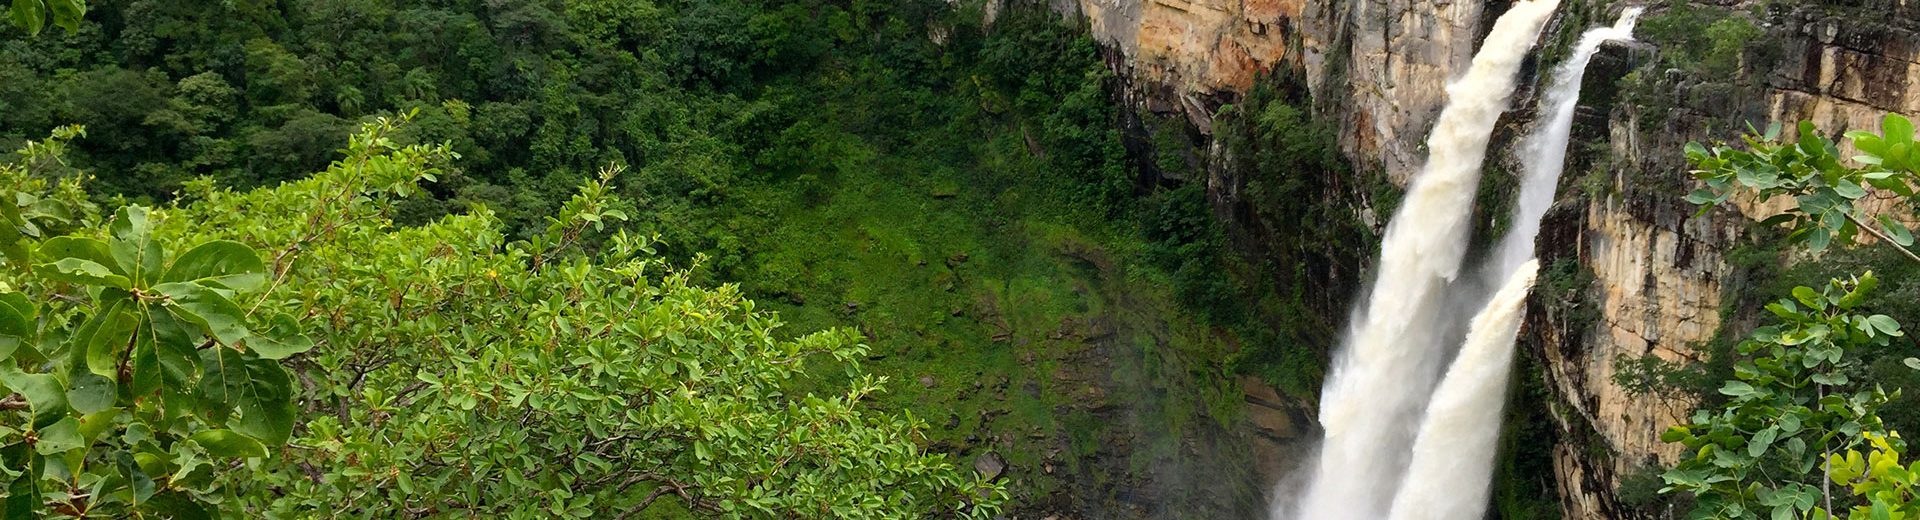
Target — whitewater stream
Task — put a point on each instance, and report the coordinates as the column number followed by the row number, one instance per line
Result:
column 1401, row 442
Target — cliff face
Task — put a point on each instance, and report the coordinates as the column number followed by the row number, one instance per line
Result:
column 1659, row 274
column 1383, row 63
column 1653, row 276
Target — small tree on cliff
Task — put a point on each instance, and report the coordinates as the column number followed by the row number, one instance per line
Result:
column 1797, row 419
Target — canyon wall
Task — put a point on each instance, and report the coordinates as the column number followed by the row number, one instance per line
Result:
column 1653, row 276
column 1660, row 275
column 1386, row 62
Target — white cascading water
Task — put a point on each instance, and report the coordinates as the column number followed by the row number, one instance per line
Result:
column 1391, row 357
column 1450, row 476
column 1545, row 150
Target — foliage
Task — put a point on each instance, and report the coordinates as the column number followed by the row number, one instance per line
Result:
column 452, row 370
column 1300, row 190
column 32, row 15
column 1792, row 402
column 1825, row 191
column 1798, row 400
column 1886, row 486
column 1702, row 39
column 827, row 155
column 1649, row 375
column 131, row 374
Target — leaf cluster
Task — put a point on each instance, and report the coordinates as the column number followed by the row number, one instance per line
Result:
column 1793, row 400
column 130, row 373
column 32, row 15
column 1826, row 191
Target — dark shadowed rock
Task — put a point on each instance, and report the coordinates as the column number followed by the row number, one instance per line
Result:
column 990, row 465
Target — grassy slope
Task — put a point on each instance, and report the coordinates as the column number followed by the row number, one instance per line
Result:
column 1010, row 322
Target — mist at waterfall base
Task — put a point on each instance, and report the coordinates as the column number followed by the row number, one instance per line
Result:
column 1400, row 442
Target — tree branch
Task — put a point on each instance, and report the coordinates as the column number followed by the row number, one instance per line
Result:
column 1882, row 236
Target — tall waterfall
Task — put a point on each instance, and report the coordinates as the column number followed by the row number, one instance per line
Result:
column 1544, row 152
column 1391, row 357
column 1449, row 478
column 1373, row 461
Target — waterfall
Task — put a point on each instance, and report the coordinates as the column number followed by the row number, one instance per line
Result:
column 1544, row 152
column 1449, row 478
column 1451, row 473
column 1390, row 359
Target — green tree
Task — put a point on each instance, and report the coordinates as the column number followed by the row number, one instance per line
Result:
column 1798, row 412
column 450, row 371
column 129, row 373
column 32, row 15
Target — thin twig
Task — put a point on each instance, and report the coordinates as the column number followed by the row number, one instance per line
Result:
column 1882, row 236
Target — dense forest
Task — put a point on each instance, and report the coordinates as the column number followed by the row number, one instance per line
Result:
column 649, row 258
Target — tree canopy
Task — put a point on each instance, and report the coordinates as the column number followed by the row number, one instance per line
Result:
column 444, row 369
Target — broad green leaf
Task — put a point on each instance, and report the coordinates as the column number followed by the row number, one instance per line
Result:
column 1818, row 239
column 1899, row 232
column 59, row 437
column 1736, row 388
column 133, row 246
column 1896, row 129
column 83, row 272
column 223, row 263
column 138, row 482
column 93, row 424
column 1675, row 434
column 179, row 506
column 1809, row 297
column 19, row 303
column 1913, row 363
column 258, row 390
column 67, row 13
column 89, row 393
column 1702, row 197
column 1849, row 190
column 1695, row 151
column 281, row 339
column 29, row 14
column 173, row 339
column 14, row 326
column 23, row 496
column 44, row 393
column 228, row 443
column 223, row 319
column 106, row 340
column 1810, row 142
column 1885, row 324
column 1761, row 441
column 83, row 248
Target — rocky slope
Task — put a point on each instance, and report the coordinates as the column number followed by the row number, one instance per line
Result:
column 1653, row 278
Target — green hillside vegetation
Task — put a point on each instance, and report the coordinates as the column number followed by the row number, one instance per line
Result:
column 736, row 258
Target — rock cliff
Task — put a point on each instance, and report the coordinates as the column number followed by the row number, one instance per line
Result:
column 1653, row 277
column 1383, row 63
column 1660, row 275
